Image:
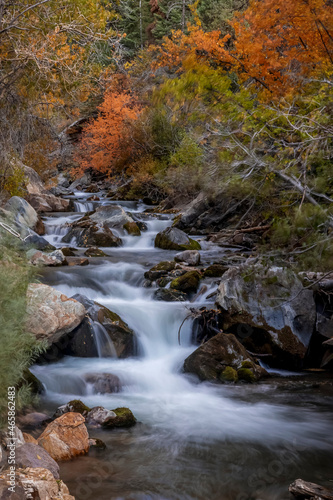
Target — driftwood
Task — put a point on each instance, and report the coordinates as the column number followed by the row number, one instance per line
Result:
column 253, row 229
column 306, row 491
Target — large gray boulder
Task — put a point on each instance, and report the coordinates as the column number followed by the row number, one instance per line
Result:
column 223, row 359
column 113, row 216
column 32, row 455
column 39, row 258
column 189, row 257
column 270, row 310
column 50, row 314
column 87, row 234
column 175, row 239
column 23, row 212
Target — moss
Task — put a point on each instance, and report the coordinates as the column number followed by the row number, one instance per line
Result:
column 229, row 374
column 246, row 374
column 194, row 245
column 247, row 364
column 124, row 418
column 164, row 266
column 162, row 241
column 77, row 406
column 94, row 252
column 132, row 228
column 162, row 282
column 105, row 314
column 176, row 220
column 214, row 271
column 187, row 283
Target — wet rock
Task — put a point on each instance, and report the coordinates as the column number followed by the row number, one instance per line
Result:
column 97, row 444
column 113, row 216
column 189, row 257
column 161, row 269
column 187, row 283
column 122, row 337
column 164, row 281
column 123, row 418
column 270, row 311
column 169, row 295
column 39, row 258
column 94, row 252
column 38, row 242
column 87, row 234
column 50, row 314
column 210, row 360
column 310, row 491
column 132, row 228
column 32, row 455
column 104, row 383
column 66, row 437
column 175, row 239
column 77, row 261
column 81, row 341
column 38, row 483
column 214, row 271
column 68, row 251
column 75, row 406
column 48, row 203
column 98, row 416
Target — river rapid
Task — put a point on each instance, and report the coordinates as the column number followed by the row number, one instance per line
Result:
column 193, row 441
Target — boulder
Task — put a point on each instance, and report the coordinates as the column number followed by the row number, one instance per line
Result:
column 75, row 406
column 36, row 483
column 39, row 258
column 99, row 416
column 214, row 271
column 94, row 252
column 113, row 216
column 122, row 337
column 187, row 283
column 66, row 437
column 32, row 455
column 88, row 234
column 213, row 360
column 123, row 418
column 68, row 251
column 81, row 341
column 304, row 490
column 168, row 295
column 270, row 311
column 28, row 438
column 50, row 314
column 77, row 261
column 189, row 257
column 96, row 443
column 23, row 213
column 175, row 239
column 34, row 184
column 161, row 269
column 193, row 211
column 132, row 228
column 103, row 383
column 48, row 203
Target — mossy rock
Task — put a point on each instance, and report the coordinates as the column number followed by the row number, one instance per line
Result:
column 121, row 335
column 96, row 444
column 188, row 283
column 77, row 406
column 160, row 270
column 31, row 380
column 175, row 239
column 247, row 364
column 229, row 374
column 68, row 251
column 246, row 374
column 124, row 418
column 132, row 228
column 215, row 271
column 94, row 252
column 162, row 282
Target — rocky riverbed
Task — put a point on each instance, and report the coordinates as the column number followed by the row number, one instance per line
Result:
column 202, row 372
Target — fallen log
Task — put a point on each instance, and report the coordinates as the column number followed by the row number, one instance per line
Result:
column 306, row 491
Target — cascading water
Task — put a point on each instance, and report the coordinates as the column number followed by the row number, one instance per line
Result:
column 196, row 441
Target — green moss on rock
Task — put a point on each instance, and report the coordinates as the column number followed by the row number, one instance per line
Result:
column 132, row 228
column 214, row 271
column 229, row 374
column 124, row 418
column 187, row 283
column 77, row 406
column 246, row 374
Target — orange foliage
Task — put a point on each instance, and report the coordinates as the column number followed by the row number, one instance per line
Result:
column 280, row 42
column 106, row 140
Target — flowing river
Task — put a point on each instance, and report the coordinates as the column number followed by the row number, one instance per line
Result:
column 193, row 441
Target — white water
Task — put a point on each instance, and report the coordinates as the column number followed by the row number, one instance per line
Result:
column 153, row 384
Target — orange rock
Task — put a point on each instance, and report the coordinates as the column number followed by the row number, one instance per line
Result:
column 28, row 438
column 66, row 437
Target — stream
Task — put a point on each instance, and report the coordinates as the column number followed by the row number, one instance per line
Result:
column 193, row 441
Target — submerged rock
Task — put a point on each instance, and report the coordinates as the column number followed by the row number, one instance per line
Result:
column 270, row 311
column 175, row 239
column 77, row 261
column 50, row 314
column 189, row 257
column 222, row 359
column 104, row 383
column 66, row 437
column 169, row 295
